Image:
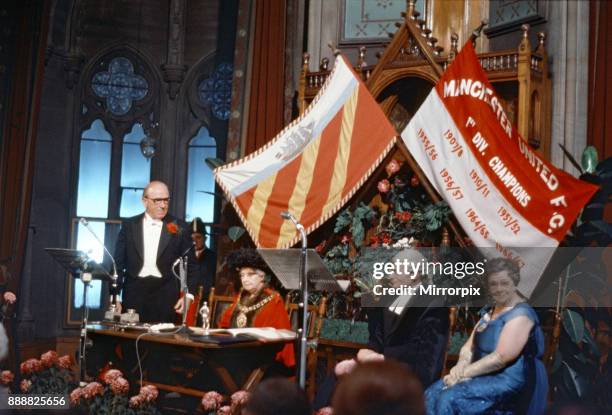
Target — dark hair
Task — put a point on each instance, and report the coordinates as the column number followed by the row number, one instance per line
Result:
column 379, row 388
column 504, row 264
column 246, row 258
column 277, row 396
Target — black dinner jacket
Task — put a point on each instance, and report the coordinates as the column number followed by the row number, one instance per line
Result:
column 130, row 248
column 417, row 337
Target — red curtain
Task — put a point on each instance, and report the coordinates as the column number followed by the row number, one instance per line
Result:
column 266, row 98
column 17, row 156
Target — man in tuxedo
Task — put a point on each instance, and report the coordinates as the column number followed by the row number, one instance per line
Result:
column 147, row 247
column 412, row 331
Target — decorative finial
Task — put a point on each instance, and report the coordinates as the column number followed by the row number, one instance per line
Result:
column 525, row 47
column 324, row 66
column 361, row 62
column 411, row 4
column 525, row 29
column 305, row 59
column 453, row 48
column 454, row 41
column 476, row 33
column 541, row 41
column 334, row 49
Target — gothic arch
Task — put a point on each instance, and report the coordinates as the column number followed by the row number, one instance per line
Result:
column 92, row 106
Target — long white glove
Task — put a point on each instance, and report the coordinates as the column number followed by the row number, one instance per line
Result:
column 488, row 364
column 456, row 373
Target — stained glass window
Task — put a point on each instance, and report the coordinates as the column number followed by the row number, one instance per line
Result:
column 119, row 85
column 216, row 91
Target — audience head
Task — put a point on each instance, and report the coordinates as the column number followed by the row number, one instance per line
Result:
column 503, row 276
column 198, row 233
column 379, row 388
column 251, row 269
column 156, row 199
column 277, row 396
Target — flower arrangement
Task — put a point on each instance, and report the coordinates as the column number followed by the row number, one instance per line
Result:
column 111, row 397
column 49, row 375
column 401, row 215
column 213, row 403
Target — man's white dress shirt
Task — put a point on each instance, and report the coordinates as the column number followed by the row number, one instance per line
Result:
column 151, row 232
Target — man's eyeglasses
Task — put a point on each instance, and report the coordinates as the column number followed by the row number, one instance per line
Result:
column 161, row 201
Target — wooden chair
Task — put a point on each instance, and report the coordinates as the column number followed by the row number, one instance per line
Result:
column 315, row 322
column 192, row 313
column 450, row 359
column 217, row 305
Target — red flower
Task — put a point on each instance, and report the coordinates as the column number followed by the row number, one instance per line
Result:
column 119, row 386
column 75, row 396
column 384, row 186
column 6, row 377
column 211, row 401
column 111, row 375
column 239, row 399
column 64, row 362
column 374, row 241
column 25, row 385
column 405, row 216
column 30, row 366
column 414, row 181
column 149, row 393
column 386, row 239
column 48, row 359
column 92, row 389
column 136, row 401
column 392, row 167
column 172, row 228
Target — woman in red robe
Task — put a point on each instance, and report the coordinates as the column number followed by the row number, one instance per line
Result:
column 257, row 305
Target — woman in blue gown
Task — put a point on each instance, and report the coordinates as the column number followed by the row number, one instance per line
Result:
column 500, row 369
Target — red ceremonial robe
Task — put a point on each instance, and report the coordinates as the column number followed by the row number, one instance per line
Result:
column 273, row 314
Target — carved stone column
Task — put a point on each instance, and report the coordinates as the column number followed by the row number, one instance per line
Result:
column 569, row 47
column 174, row 69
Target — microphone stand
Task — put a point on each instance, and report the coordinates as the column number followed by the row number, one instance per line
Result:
column 111, row 314
column 85, row 278
column 182, row 262
column 303, row 305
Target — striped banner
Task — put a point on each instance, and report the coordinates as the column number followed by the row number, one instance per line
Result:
column 503, row 193
column 312, row 167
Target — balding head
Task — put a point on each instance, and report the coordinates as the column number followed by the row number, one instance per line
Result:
column 156, row 198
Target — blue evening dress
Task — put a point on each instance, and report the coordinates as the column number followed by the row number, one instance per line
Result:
column 519, row 388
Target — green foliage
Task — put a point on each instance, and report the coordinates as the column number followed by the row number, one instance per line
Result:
column 573, row 324
column 345, row 330
column 436, row 215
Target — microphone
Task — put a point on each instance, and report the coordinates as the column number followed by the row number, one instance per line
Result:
column 183, row 254
column 115, row 276
column 288, row 216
